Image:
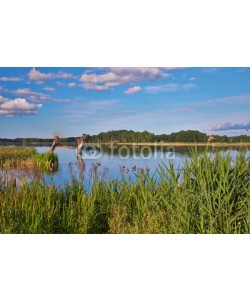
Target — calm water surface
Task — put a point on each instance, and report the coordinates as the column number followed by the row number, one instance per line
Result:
column 111, row 162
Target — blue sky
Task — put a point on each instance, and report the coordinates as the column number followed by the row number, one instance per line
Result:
column 35, row 102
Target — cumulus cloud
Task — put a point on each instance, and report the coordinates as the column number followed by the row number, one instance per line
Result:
column 169, row 87
column 133, row 90
column 36, row 75
column 118, row 76
column 18, row 106
column 3, row 99
column 10, row 79
column 229, row 126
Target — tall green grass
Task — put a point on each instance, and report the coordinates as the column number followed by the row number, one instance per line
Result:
column 13, row 157
column 211, row 194
column 16, row 153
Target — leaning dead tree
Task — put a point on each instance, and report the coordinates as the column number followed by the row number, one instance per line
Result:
column 80, row 143
column 210, row 139
column 55, row 143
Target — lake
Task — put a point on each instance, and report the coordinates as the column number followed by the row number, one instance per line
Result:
column 105, row 162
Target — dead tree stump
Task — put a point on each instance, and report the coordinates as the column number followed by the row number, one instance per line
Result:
column 54, row 144
column 80, row 143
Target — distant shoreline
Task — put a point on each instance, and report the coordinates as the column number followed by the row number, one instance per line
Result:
column 157, row 144
column 166, row 144
column 186, row 144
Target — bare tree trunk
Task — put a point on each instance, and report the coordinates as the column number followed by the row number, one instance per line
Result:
column 81, row 164
column 80, row 144
column 54, row 144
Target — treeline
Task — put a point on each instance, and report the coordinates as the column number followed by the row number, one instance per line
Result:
column 130, row 136
column 31, row 141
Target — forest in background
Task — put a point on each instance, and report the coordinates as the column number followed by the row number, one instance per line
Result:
column 130, row 136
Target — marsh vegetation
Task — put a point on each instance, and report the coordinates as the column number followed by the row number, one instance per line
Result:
column 13, row 157
column 210, row 194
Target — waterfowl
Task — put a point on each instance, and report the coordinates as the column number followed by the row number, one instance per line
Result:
column 125, row 170
column 133, row 168
column 98, row 164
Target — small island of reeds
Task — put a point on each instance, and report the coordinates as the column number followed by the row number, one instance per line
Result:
column 13, row 157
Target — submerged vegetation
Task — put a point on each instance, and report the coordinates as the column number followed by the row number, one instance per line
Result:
column 211, row 194
column 12, row 157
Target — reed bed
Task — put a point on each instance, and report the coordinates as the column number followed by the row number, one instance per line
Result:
column 210, row 195
column 15, row 157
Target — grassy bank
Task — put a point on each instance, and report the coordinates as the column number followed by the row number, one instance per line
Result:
column 211, row 195
column 14, row 157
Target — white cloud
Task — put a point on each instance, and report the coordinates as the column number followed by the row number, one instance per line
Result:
column 95, row 87
column 133, row 90
column 18, row 106
column 49, row 89
column 139, row 74
column 3, row 99
column 71, row 84
column 10, row 78
column 36, row 96
column 118, row 76
column 192, row 78
column 40, row 77
column 33, row 96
